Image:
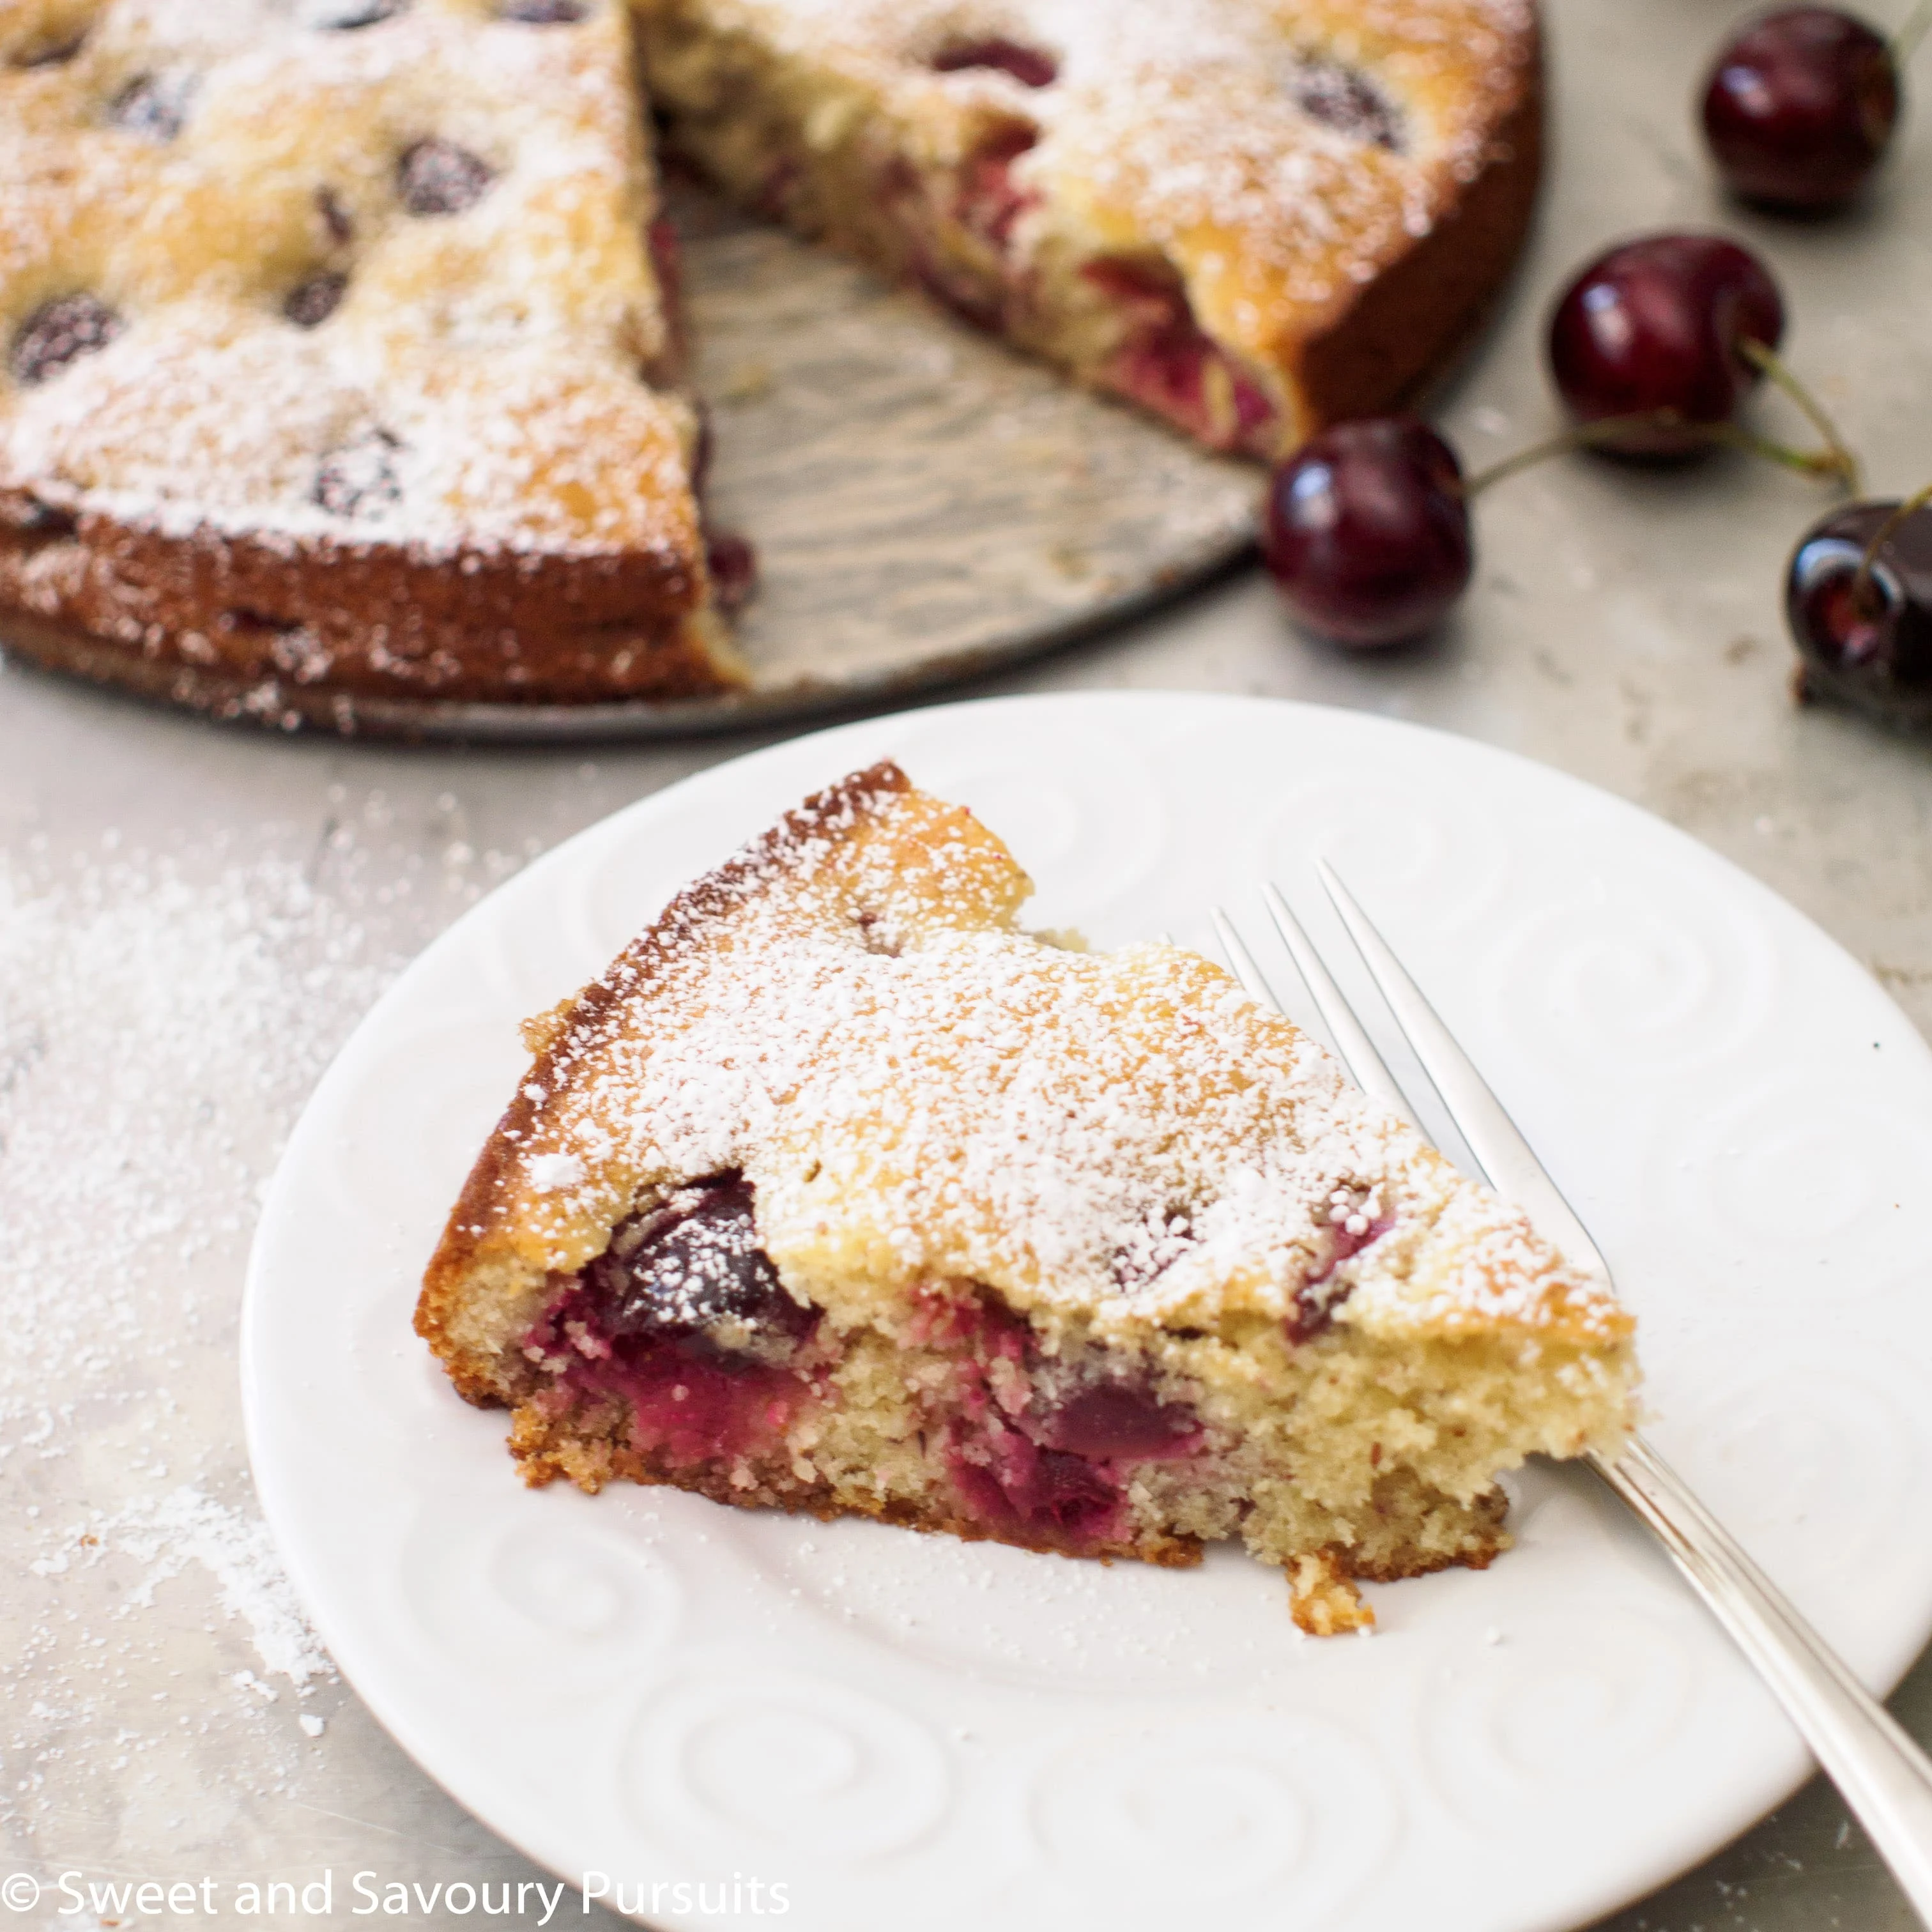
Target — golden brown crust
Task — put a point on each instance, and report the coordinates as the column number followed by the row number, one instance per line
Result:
column 1409, row 323
column 242, row 628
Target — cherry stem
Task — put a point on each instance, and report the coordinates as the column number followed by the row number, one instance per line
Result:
column 1836, row 459
column 1905, row 42
column 1583, row 436
column 1608, row 431
column 1864, row 598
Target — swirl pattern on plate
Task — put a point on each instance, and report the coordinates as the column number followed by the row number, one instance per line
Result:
column 784, row 1762
column 1281, row 1805
column 1546, row 1709
column 541, row 1592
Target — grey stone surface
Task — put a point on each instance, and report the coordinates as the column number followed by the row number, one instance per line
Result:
column 191, row 919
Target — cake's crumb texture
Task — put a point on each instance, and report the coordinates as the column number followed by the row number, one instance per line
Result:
column 1322, row 1597
column 839, row 1192
column 335, row 351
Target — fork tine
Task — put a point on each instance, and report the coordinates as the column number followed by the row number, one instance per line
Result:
column 1359, row 1054
column 1253, row 983
column 1494, row 1139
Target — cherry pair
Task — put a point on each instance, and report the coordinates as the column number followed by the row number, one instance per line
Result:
column 1653, row 347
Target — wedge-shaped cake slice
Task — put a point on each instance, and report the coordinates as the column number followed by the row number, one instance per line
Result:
column 337, row 357
column 840, row 1193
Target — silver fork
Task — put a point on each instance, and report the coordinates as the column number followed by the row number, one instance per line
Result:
column 1884, row 1776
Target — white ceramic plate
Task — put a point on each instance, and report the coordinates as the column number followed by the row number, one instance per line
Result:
column 902, row 1729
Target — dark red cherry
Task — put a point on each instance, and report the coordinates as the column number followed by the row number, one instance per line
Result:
column 691, row 1265
column 733, row 567
column 1867, row 643
column 1366, row 531
column 1800, row 108
column 1656, row 324
column 1031, row 67
column 59, row 332
column 1344, row 98
column 437, row 177
column 1108, row 1421
column 311, row 303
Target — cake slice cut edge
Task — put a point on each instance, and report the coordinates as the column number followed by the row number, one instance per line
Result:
column 1250, row 220
column 841, row 1194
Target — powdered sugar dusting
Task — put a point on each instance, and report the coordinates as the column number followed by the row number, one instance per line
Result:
column 1309, row 140
column 161, row 1019
column 504, row 347
column 164, row 1535
column 918, row 1090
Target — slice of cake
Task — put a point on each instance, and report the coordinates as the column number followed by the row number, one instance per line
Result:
column 840, row 1193
column 1252, row 217
column 335, row 354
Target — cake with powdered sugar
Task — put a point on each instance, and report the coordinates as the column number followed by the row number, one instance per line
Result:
column 840, row 1193
column 337, row 357
column 1252, row 217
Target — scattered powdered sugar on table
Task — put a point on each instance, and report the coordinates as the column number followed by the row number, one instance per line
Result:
column 165, row 1711
column 161, row 1020
column 187, row 1526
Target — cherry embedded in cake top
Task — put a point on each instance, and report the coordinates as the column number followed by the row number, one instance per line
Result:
column 348, row 16
column 60, row 332
column 312, row 302
column 153, row 105
column 1031, row 67
column 336, row 218
column 690, row 1264
column 360, row 479
column 1345, row 99
column 435, row 176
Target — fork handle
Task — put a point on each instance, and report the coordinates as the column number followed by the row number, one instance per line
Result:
column 1882, row 1774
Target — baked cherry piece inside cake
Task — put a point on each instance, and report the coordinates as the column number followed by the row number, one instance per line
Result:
column 841, row 1193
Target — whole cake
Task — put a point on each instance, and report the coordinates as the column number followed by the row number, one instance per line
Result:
column 341, row 351
column 840, row 1193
